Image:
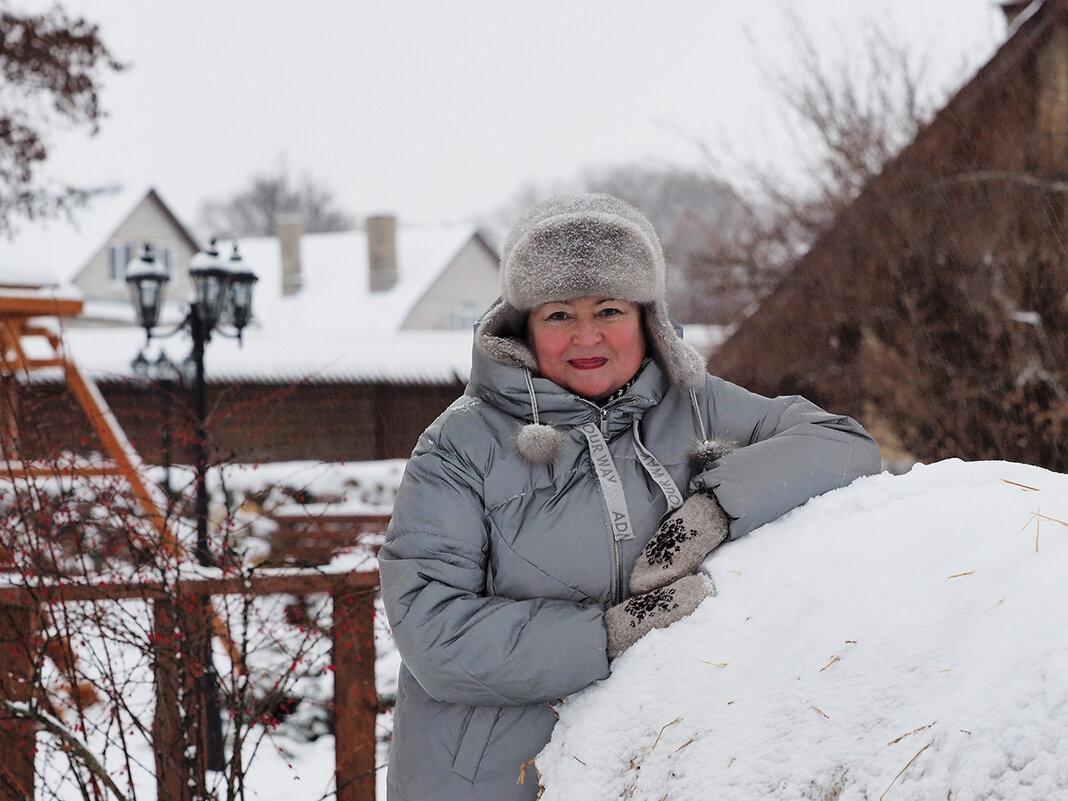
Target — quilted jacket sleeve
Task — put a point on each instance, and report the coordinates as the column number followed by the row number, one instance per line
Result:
column 461, row 645
column 788, row 450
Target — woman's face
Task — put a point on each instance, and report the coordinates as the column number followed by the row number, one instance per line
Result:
column 591, row 346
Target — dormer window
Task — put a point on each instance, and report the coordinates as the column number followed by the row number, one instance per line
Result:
column 121, row 253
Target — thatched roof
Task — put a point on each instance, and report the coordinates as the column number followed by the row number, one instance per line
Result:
column 935, row 309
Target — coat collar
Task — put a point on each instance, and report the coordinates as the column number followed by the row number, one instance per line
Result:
column 505, row 387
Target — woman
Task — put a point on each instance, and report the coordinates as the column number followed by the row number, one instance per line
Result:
column 529, row 543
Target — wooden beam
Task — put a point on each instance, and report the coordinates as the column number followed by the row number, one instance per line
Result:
column 261, row 583
column 355, row 696
column 167, row 740
column 33, row 304
column 18, row 634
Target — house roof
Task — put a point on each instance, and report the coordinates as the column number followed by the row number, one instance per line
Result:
column 279, row 357
column 334, row 329
column 917, row 307
column 335, row 296
column 53, row 251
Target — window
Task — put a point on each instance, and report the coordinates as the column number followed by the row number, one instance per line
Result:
column 119, row 255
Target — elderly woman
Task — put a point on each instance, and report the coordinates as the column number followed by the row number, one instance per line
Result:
column 561, row 508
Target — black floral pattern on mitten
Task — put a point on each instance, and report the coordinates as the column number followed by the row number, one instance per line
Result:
column 668, row 541
column 641, row 606
column 631, row 620
column 681, row 543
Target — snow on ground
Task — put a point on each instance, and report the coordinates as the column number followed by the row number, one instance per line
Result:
column 902, row 638
column 899, row 639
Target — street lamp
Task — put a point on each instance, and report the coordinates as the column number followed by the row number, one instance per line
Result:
column 161, row 375
column 222, row 296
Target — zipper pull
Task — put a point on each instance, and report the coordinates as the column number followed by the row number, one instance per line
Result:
column 604, row 421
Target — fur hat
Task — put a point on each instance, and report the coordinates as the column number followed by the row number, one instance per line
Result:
column 573, row 246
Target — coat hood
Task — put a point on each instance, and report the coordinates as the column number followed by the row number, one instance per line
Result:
column 499, row 336
column 504, row 374
column 581, row 245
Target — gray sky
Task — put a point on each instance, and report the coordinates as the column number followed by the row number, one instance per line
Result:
column 442, row 110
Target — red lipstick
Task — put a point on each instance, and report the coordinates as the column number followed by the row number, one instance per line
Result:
column 588, row 364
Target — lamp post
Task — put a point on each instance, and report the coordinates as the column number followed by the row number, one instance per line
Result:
column 222, row 294
column 161, row 376
column 222, row 297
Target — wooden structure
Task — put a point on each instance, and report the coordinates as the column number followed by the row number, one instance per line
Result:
column 934, row 309
column 355, row 698
column 307, row 539
column 29, row 343
column 19, row 323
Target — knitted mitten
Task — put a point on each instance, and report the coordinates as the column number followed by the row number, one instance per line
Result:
column 631, row 620
column 681, row 542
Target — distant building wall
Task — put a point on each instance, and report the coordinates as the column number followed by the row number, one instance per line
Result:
column 270, row 423
column 465, row 289
column 103, row 278
column 247, row 423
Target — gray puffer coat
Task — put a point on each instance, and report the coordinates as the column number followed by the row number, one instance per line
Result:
column 496, row 572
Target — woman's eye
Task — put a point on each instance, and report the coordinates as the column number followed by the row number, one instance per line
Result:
column 557, row 316
column 610, row 312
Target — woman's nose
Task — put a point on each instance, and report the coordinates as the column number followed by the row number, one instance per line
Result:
column 586, row 332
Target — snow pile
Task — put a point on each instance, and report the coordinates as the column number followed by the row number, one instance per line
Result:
column 903, row 638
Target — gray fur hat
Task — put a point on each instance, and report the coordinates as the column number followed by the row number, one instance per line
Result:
column 574, row 246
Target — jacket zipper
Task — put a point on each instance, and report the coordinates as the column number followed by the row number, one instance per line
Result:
column 617, row 552
column 617, row 596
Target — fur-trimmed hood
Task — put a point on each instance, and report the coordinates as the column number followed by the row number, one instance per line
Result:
column 504, row 373
column 582, row 245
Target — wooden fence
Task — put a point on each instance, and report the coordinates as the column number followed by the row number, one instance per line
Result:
column 355, row 697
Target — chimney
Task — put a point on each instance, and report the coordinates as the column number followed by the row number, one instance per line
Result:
column 381, row 251
column 289, row 231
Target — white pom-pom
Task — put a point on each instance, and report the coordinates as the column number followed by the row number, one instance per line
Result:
column 539, row 443
column 703, row 454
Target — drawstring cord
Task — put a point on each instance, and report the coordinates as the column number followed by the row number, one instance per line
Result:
column 699, row 423
column 533, row 397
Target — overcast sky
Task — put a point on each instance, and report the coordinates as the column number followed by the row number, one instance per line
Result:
column 443, row 110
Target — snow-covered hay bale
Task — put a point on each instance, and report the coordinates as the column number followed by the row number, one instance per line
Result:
column 902, row 638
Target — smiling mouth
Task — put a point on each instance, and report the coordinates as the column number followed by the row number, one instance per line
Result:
column 588, row 364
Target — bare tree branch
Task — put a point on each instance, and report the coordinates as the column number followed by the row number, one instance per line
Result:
column 51, row 65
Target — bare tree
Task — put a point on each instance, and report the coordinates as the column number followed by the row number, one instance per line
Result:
column 269, row 196
column 846, row 117
column 682, row 204
column 52, row 65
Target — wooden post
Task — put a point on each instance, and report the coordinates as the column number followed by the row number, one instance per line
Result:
column 355, row 697
column 167, row 739
column 18, row 636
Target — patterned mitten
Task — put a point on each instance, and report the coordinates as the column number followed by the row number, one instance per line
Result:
column 681, row 543
column 631, row 620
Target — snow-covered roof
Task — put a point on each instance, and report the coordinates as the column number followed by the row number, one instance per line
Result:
column 53, row 251
column 333, row 329
column 335, row 295
column 277, row 357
